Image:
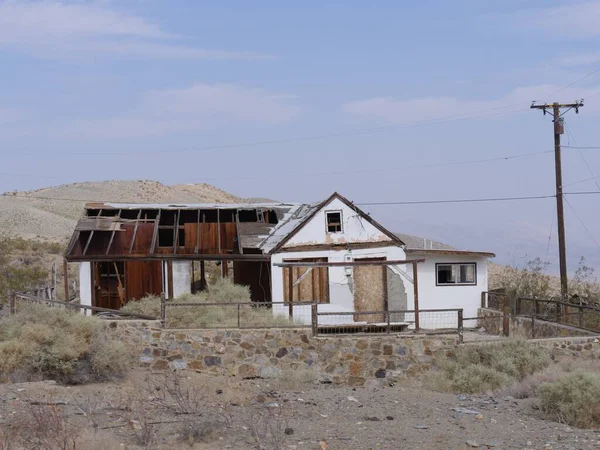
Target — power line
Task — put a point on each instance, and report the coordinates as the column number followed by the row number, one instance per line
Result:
column 583, row 157
column 391, row 203
column 550, row 234
column 576, row 81
column 210, row 148
column 582, row 181
column 579, row 147
column 467, row 200
column 387, row 169
column 583, row 224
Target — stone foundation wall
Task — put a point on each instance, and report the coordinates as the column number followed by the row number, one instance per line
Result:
column 269, row 353
column 491, row 320
column 583, row 347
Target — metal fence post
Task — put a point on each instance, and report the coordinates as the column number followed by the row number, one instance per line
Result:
column 314, row 319
column 505, row 318
column 533, row 326
column 13, row 303
column 238, row 315
column 460, row 326
column 163, row 310
column 483, row 298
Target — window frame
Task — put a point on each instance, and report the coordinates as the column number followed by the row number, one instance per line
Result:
column 474, row 264
column 334, row 211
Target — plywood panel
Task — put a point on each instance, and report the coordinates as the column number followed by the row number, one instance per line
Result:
column 142, row 278
column 313, row 287
column 370, row 292
column 209, row 237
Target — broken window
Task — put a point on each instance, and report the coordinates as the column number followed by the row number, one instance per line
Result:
column 456, row 274
column 334, row 221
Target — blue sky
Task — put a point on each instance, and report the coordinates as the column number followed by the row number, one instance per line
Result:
column 390, row 91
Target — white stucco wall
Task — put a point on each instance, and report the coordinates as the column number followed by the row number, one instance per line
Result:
column 182, row 278
column 441, row 297
column 85, row 284
column 354, row 229
column 340, row 293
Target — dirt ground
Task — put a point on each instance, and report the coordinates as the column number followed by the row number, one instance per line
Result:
column 292, row 414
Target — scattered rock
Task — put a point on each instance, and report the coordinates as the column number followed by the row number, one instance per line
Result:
column 389, row 417
column 479, row 417
column 372, row 419
column 465, row 410
column 352, row 399
column 472, row 444
column 289, row 431
column 421, row 427
column 380, row 373
column 494, row 443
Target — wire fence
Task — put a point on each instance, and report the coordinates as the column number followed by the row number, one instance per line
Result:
column 19, row 299
column 237, row 315
column 429, row 321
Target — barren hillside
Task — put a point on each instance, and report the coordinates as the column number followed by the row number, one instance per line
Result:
column 51, row 213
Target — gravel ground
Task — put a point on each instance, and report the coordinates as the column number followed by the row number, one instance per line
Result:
column 305, row 416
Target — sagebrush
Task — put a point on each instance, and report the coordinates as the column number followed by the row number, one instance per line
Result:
column 483, row 368
column 50, row 343
column 573, row 399
column 219, row 316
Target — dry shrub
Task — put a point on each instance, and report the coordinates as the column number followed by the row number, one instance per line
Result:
column 222, row 290
column 527, row 387
column 44, row 427
column 487, row 367
column 268, row 425
column 49, row 343
column 187, row 406
column 572, row 399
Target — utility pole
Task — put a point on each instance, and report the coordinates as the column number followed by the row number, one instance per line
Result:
column 558, row 130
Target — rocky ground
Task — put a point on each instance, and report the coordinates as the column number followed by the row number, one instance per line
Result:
column 289, row 414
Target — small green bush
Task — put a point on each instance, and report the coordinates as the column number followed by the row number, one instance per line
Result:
column 49, row 343
column 482, row 368
column 212, row 316
column 573, row 399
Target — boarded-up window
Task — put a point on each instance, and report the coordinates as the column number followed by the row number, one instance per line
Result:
column 370, row 292
column 309, row 284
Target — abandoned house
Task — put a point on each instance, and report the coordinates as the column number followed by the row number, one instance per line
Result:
column 127, row 251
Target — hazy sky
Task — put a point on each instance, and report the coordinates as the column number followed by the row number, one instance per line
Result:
column 293, row 100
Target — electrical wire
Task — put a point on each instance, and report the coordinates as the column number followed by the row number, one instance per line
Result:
column 576, row 81
column 362, row 171
column 587, row 164
column 583, row 224
column 391, row 203
column 211, row 148
column 550, row 233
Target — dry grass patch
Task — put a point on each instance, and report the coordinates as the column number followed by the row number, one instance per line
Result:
column 573, row 399
column 488, row 367
column 41, row 343
column 222, row 291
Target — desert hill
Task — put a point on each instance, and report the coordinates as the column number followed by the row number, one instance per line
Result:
column 51, row 213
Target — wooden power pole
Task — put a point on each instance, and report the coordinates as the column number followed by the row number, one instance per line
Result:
column 558, row 130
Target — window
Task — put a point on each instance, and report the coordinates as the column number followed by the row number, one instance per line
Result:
column 456, row 274
column 334, row 221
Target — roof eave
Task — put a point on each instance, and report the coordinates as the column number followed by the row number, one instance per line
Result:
column 450, row 252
